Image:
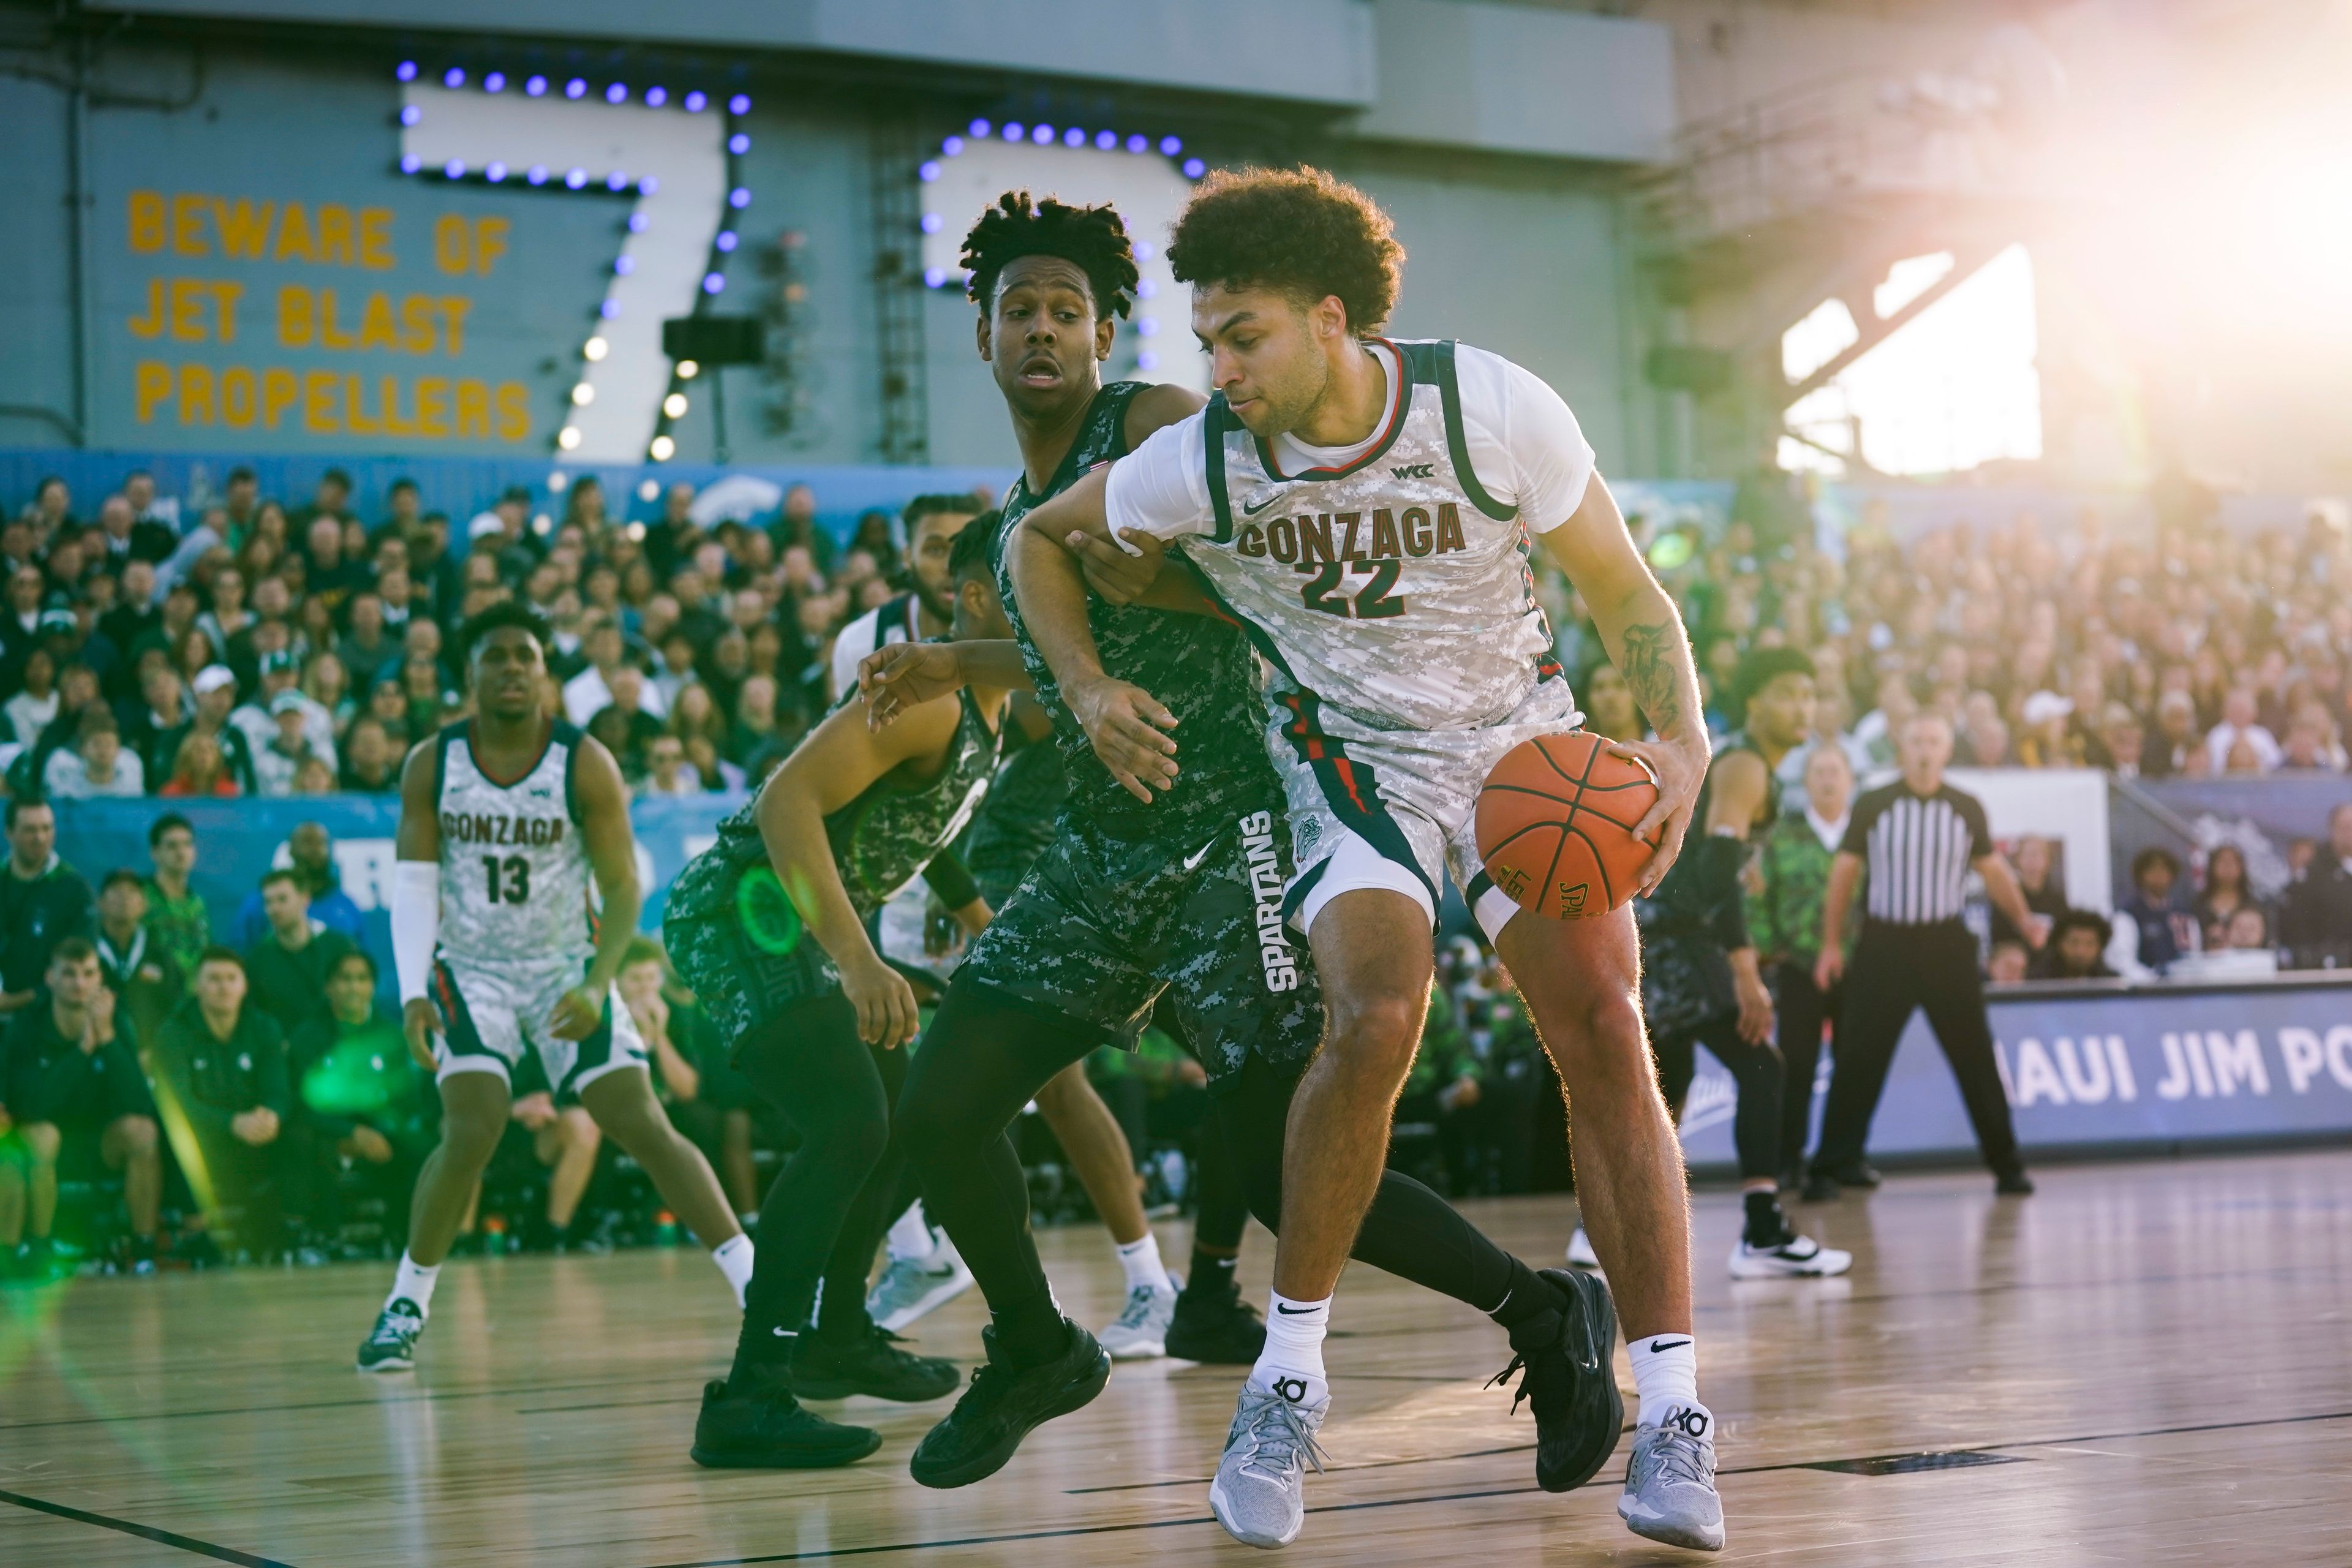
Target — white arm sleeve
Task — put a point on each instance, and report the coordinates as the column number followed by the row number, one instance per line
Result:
column 415, row 924
column 1162, row 487
column 1524, row 441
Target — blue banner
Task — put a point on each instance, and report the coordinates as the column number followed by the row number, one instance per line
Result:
column 239, row 840
column 2110, row 1064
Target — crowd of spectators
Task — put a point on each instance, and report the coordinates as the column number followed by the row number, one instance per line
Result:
column 241, row 643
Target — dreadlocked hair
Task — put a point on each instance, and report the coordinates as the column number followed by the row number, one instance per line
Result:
column 1300, row 231
column 1093, row 240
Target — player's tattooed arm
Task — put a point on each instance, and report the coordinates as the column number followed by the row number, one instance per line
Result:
column 1643, row 634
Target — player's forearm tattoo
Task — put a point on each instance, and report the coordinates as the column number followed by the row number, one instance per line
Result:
column 1649, row 670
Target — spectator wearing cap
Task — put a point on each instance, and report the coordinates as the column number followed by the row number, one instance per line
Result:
column 276, row 765
column 97, row 765
column 2315, row 925
column 2049, row 741
column 215, row 690
column 260, row 720
column 42, row 900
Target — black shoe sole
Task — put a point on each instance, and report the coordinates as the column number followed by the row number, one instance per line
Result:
column 1590, row 1296
column 844, row 1388
column 845, row 1453
column 1075, row 1395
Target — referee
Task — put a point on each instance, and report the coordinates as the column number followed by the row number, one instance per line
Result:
column 1921, row 838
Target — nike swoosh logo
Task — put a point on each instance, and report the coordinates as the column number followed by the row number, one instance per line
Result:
column 1201, row 854
column 1289, row 1313
column 1657, row 1345
column 1252, row 510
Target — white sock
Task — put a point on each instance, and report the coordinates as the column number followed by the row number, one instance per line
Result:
column 414, row 1282
column 1144, row 1269
column 911, row 1236
column 1665, row 1374
column 1292, row 1361
column 733, row 1256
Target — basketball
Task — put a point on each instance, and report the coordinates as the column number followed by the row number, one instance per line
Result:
column 1556, row 824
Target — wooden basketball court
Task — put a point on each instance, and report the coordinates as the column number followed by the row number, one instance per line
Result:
column 2145, row 1363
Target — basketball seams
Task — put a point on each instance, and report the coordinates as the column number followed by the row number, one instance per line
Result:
column 1541, row 806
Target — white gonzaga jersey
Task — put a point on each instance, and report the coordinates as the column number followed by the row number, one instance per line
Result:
column 1388, row 582
column 514, row 867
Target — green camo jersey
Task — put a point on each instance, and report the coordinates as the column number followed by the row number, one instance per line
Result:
column 881, row 841
column 1016, row 821
column 1202, row 669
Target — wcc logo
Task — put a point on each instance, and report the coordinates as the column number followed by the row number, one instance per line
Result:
column 1414, row 470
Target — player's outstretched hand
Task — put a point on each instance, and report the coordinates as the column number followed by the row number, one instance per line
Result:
column 1828, row 969
column 905, row 675
column 1113, row 573
column 1128, row 728
column 576, row 1015
column 887, row 1015
column 1680, row 767
column 420, row 1021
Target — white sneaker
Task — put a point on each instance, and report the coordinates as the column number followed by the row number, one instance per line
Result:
column 1580, row 1251
column 911, row 1287
column 1140, row 1330
column 1670, row 1492
column 1799, row 1257
column 1259, row 1494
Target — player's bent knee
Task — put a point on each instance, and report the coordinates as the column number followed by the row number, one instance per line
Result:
column 1376, row 1035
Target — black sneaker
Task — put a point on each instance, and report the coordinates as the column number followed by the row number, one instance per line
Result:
column 2014, row 1183
column 1856, row 1173
column 764, row 1428
column 1217, row 1326
column 1003, row 1403
column 1564, row 1356
column 391, row 1347
column 869, row 1360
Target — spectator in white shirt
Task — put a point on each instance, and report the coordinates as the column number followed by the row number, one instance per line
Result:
column 96, row 765
column 590, row 692
column 2237, row 711
column 29, row 711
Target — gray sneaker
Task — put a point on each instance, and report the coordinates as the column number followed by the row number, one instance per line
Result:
column 911, row 1287
column 1670, row 1481
column 1260, row 1492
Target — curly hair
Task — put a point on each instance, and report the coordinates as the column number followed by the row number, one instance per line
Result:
column 1092, row 239
column 1302, row 231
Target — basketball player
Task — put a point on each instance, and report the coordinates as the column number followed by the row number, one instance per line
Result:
column 851, row 817
column 1174, row 903
column 1702, row 984
column 1364, row 510
column 502, row 819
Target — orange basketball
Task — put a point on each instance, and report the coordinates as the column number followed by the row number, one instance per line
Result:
column 1556, row 824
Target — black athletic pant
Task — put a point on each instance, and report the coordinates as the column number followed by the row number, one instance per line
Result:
column 830, row 1202
column 982, row 1060
column 1756, row 1068
column 1800, row 1009
column 1897, row 968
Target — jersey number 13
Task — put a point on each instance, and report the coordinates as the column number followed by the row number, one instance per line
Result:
column 514, row 888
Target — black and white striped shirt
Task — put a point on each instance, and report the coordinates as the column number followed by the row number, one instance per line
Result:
column 1919, row 849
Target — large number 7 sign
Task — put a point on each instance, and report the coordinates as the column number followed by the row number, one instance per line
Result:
column 672, row 160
